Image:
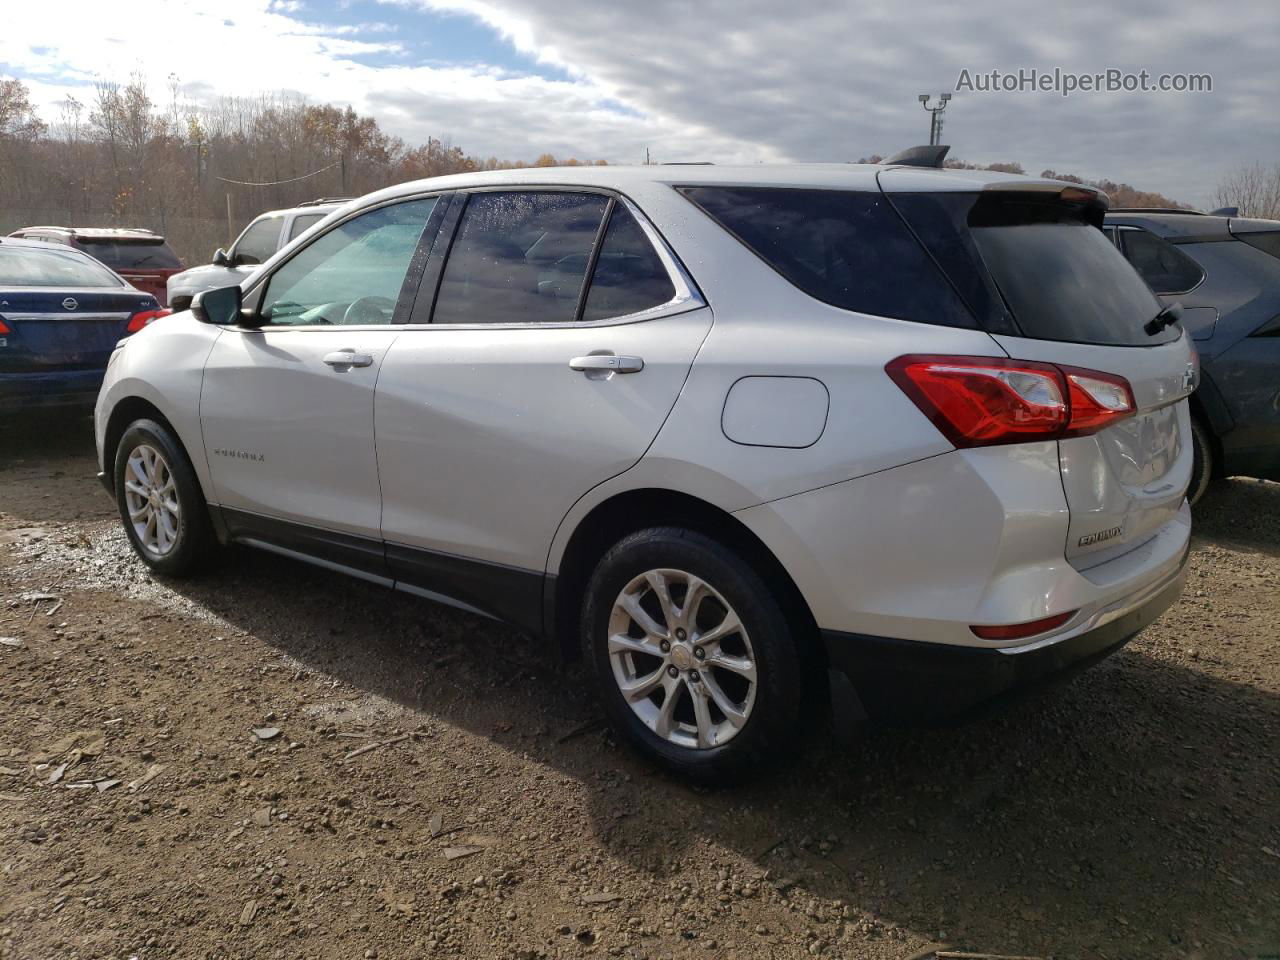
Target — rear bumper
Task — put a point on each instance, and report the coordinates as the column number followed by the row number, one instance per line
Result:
column 909, row 681
column 64, row 388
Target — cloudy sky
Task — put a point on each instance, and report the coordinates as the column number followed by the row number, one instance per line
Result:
column 721, row 80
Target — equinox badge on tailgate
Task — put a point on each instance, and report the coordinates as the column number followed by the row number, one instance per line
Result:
column 1090, row 539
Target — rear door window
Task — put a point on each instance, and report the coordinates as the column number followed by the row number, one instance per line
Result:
column 629, row 275
column 519, row 257
column 1166, row 269
column 846, row 248
column 259, row 241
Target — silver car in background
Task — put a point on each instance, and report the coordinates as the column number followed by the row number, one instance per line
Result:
column 256, row 244
column 756, row 441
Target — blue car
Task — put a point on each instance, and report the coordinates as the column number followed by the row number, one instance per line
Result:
column 1225, row 271
column 61, row 314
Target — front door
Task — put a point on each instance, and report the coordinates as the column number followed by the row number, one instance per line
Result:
column 287, row 405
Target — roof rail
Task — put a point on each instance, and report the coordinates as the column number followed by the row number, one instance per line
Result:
column 930, row 155
column 686, row 163
column 319, row 200
column 1196, row 213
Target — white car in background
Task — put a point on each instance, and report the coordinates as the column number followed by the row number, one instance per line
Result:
column 753, row 439
column 255, row 245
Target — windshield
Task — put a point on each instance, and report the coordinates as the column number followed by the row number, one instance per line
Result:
column 36, row 267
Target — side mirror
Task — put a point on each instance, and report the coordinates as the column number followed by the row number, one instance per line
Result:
column 220, row 307
column 220, row 258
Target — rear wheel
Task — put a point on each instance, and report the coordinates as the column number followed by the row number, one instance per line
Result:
column 1204, row 463
column 161, row 505
column 696, row 662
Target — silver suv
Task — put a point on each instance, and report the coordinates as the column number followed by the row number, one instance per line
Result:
column 255, row 245
column 753, row 440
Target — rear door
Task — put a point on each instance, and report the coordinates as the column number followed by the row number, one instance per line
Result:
column 562, row 332
column 1050, row 286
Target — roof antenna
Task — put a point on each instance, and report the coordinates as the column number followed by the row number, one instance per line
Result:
column 931, row 155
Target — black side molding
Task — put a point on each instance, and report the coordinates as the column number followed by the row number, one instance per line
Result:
column 511, row 594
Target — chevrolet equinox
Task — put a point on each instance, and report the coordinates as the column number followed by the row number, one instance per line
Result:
column 891, row 440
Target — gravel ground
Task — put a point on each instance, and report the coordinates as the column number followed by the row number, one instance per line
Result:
column 425, row 783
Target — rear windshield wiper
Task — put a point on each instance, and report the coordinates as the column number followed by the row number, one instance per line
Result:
column 1165, row 318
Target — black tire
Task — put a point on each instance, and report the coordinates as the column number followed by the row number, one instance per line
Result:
column 194, row 543
column 1204, row 464
column 773, row 721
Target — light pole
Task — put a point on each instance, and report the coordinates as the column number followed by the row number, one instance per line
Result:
column 935, row 115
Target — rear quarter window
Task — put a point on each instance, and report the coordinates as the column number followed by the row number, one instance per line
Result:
column 846, row 248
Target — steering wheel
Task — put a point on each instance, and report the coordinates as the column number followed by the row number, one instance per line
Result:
column 369, row 310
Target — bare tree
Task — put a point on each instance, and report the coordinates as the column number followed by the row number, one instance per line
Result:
column 1254, row 188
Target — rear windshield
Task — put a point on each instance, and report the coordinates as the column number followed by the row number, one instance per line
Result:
column 847, row 248
column 131, row 255
column 1266, row 242
column 1067, row 281
column 1035, row 267
column 36, row 267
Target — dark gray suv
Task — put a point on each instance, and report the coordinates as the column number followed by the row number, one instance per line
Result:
column 1225, row 271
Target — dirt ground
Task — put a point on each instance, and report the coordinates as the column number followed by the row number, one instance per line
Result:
column 438, row 788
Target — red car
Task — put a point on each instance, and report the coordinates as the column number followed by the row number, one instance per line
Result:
column 142, row 257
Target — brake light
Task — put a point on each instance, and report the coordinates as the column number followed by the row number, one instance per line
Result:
column 144, row 317
column 1019, row 631
column 983, row 401
column 4, row 327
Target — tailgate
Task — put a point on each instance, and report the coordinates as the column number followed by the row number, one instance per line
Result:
column 1126, row 482
column 1044, row 280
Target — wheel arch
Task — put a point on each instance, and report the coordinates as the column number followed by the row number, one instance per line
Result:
column 628, row 511
column 126, row 411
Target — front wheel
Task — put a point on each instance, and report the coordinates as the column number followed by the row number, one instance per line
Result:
column 697, row 664
column 161, row 505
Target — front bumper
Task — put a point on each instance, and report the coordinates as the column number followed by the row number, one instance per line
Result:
column 909, row 681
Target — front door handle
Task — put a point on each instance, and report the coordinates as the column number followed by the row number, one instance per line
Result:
column 607, row 363
column 348, row 358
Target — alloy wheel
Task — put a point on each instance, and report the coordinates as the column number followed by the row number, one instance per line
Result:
column 151, row 497
column 682, row 658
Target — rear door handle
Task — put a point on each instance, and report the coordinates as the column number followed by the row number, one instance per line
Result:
column 608, row 363
column 348, row 358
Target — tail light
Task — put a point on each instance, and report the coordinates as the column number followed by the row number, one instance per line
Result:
column 4, row 327
column 983, row 401
column 143, row 317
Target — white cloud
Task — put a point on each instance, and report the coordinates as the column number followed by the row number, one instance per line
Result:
column 723, row 80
